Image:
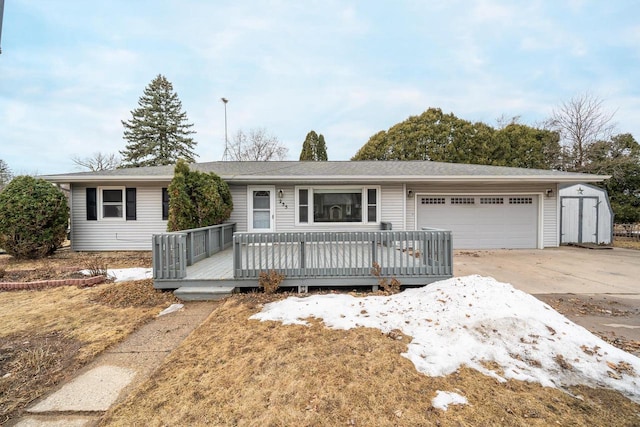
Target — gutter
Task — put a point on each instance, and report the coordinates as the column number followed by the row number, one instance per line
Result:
column 234, row 179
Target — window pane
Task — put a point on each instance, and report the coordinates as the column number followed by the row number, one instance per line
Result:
column 304, row 214
column 371, row 197
column 112, row 211
column 371, row 214
column 303, row 195
column 261, row 199
column 337, row 207
column 261, row 219
column 112, row 195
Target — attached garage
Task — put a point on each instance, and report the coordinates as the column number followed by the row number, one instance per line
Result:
column 483, row 221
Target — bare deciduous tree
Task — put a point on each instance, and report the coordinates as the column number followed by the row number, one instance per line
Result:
column 5, row 174
column 256, row 146
column 581, row 121
column 98, row 162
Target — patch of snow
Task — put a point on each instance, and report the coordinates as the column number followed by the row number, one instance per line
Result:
column 127, row 274
column 445, row 398
column 170, row 309
column 471, row 320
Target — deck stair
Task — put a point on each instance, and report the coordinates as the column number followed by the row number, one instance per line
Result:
column 203, row 293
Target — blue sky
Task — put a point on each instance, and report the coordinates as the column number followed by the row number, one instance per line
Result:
column 70, row 70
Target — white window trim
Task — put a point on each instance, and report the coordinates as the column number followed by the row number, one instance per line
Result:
column 365, row 203
column 100, row 204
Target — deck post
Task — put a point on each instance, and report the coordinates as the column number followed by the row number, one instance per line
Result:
column 207, row 242
column 303, row 264
column 374, row 249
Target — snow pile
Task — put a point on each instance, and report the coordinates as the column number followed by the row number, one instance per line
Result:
column 445, row 398
column 127, row 274
column 473, row 319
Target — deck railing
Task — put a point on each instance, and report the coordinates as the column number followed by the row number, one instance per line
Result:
column 299, row 255
column 173, row 252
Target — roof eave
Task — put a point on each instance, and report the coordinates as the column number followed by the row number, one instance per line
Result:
column 339, row 178
column 58, row 179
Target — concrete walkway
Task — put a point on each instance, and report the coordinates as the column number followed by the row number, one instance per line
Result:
column 116, row 372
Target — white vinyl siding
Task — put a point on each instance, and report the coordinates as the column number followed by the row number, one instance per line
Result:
column 392, row 198
column 239, row 213
column 110, row 235
column 285, row 208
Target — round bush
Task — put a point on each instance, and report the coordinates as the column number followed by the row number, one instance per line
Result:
column 33, row 218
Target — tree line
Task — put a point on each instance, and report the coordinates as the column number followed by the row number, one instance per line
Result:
column 579, row 136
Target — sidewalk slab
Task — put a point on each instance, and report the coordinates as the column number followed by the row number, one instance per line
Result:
column 95, row 390
column 61, row 421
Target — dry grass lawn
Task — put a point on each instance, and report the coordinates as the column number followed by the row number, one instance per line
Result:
column 626, row 242
column 241, row 372
column 46, row 335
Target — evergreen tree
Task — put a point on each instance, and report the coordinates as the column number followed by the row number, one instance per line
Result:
column 197, row 199
column 158, row 131
column 321, row 151
column 313, row 148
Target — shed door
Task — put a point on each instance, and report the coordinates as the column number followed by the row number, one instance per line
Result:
column 483, row 222
column 570, row 220
column 589, row 220
column 579, row 219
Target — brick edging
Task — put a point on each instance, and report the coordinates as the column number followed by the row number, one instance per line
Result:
column 43, row 284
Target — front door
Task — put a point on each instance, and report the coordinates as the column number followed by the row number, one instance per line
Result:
column 261, row 203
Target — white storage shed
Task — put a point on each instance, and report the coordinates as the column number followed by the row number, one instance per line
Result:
column 586, row 215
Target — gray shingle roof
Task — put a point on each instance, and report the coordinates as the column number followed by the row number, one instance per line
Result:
column 335, row 171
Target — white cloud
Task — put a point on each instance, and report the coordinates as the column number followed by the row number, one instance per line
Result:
column 330, row 66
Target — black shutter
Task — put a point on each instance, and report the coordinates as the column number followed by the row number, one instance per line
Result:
column 92, row 204
column 131, row 204
column 165, row 204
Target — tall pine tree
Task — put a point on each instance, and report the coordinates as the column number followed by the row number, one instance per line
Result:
column 158, row 131
column 314, row 148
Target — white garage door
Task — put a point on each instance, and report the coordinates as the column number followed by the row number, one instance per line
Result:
column 483, row 222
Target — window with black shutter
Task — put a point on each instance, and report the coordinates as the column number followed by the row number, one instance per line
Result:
column 131, row 204
column 165, row 204
column 92, row 204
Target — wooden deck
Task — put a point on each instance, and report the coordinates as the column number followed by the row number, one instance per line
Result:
column 216, row 267
column 208, row 259
column 349, row 265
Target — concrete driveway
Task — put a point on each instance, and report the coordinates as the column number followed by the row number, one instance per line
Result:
column 557, row 270
column 598, row 289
